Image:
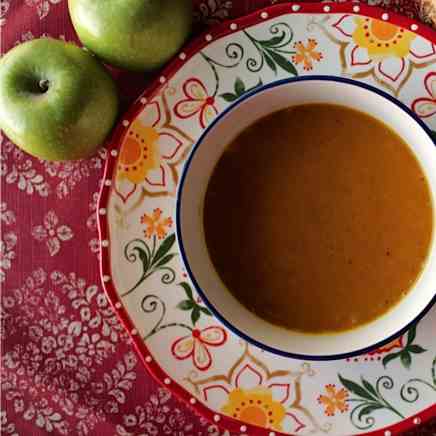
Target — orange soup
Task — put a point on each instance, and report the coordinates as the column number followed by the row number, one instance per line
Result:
column 318, row 218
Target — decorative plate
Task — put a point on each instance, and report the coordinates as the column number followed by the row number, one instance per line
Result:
column 225, row 379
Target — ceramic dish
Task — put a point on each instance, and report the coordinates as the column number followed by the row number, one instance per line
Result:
column 237, row 385
column 196, row 173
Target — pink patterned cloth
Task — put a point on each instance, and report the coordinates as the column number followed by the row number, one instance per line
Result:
column 67, row 365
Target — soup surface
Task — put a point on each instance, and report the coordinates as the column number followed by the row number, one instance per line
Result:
column 318, row 218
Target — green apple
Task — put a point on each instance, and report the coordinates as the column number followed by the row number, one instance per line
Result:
column 138, row 35
column 57, row 102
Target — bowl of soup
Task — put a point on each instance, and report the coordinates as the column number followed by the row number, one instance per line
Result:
column 305, row 216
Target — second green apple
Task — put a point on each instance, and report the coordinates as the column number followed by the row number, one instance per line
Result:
column 136, row 35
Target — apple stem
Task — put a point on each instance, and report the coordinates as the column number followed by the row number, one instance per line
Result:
column 43, row 85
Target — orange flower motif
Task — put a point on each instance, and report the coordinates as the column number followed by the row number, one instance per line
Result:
column 334, row 400
column 156, row 225
column 382, row 39
column 306, row 54
column 139, row 153
column 378, row 49
column 255, row 406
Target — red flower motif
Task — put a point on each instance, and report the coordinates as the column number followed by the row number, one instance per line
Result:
column 426, row 106
column 197, row 101
column 196, row 343
column 396, row 343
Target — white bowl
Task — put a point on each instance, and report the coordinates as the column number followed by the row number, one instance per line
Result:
column 189, row 216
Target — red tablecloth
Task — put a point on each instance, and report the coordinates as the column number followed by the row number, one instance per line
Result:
column 67, row 365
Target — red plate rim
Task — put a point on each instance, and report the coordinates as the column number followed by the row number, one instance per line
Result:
column 218, row 31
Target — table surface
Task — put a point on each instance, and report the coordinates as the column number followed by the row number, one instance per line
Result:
column 68, row 366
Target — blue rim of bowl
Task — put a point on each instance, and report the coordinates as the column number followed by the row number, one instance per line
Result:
column 191, row 275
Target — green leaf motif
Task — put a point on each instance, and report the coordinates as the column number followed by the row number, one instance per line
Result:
column 366, row 410
column 274, row 51
column 274, row 41
column 191, row 305
column 270, row 63
column 165, row 260
column 152, row 261
column 187, row 289
column 229, row 97
column 143, row 256
column 195, row 315
column 164, row 248
column 356, row 389
column 185, row 305
column 369, row 398
column 405, row 355
column 282, row 62
column 411, row 334
column 390, row 357
column 368, row 386
column 416, row 349
column 205, row 310
column 239, row 87
column 406, row 359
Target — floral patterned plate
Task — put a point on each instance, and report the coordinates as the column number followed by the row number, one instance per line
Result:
column 227, row 380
